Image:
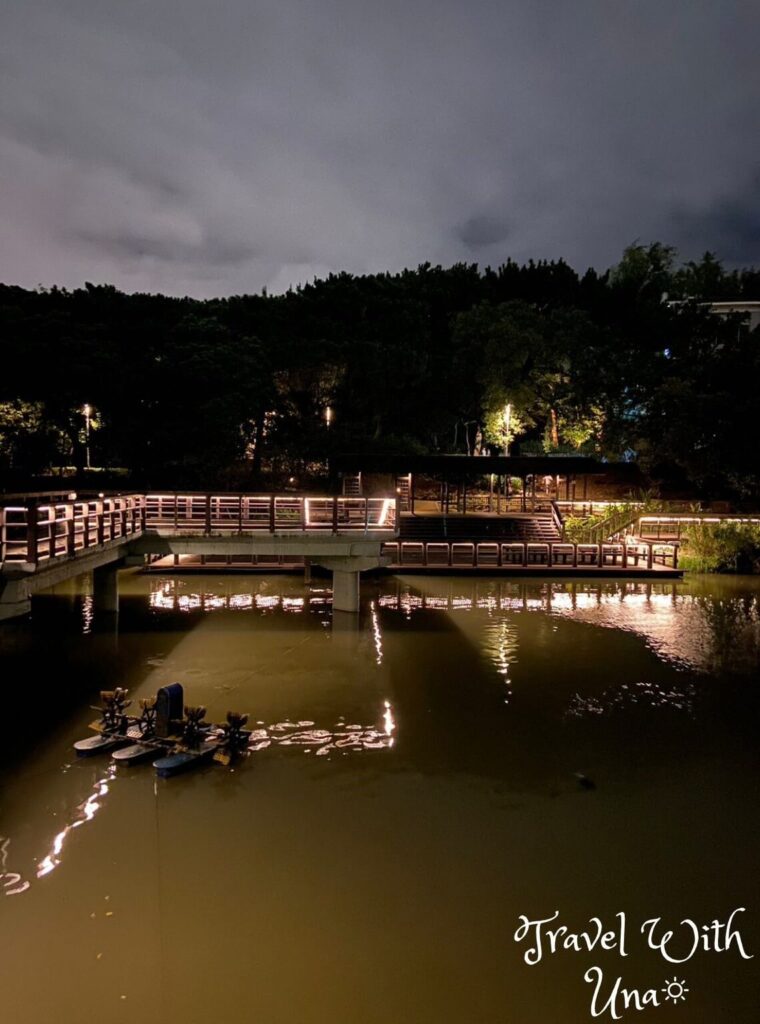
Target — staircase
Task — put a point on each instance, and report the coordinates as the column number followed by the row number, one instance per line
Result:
column 352, row 485
column 529, row 529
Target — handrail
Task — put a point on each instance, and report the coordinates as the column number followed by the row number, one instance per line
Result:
column 489, row 555
column 559, row 522
column 609, row 527
column 39, row 531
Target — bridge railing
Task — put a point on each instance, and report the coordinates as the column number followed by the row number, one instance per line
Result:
column 273, row 513
column 494, row 555
column 673, row 527
column 37, row 532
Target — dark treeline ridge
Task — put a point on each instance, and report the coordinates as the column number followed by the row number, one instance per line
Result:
column 249, row 390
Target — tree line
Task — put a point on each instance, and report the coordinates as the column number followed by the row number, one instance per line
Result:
column 251, row 390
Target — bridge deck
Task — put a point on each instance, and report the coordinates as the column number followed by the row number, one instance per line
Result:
column 35, row 536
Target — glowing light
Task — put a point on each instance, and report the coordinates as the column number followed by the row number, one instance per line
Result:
column 10, row 881
column 88, row 605
column 86, row 812
column 389, row 722
column 377, row 634
column 384, row 510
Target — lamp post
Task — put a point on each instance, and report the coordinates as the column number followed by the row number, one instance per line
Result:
column 328, row 416
column 507, row 424
column 87, row 411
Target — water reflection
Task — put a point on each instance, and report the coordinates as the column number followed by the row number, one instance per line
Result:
column 377, row 634
column 85, row 812
column 485, row 701
column 683, row 623
column 500, row 645
column 11, row 882
column 642, row 694
column 180, row 595
column 344, row 737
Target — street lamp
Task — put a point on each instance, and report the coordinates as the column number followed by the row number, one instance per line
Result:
column 507, row 424
column 328, row 416
column 87, row 411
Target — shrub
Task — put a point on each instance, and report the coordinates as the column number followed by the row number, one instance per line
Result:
column 721, row 547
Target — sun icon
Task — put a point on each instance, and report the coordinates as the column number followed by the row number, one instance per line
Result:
column 675, row 990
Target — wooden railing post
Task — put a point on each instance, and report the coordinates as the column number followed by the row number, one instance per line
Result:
column 272, row 523
column 551, row 555
column 207, row 516
column 99, row 523
column 335, row 515
column 32, row 520
column 366, row 514
column 70, row 535
column 650, row 555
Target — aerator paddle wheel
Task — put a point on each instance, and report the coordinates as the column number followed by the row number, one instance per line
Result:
column 113, row 716
column 147, row 719
column 234, row 738
column 194, row 729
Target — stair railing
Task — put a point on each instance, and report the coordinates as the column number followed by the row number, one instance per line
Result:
column 610, row 527
column 559, row 522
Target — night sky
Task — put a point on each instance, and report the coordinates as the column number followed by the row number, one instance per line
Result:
column 213, row 148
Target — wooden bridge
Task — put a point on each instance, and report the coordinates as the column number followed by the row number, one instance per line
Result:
column 45, row 539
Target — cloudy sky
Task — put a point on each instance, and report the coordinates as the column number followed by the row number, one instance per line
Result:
column 207, row 148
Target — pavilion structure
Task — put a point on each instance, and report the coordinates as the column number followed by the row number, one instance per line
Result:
column 487, row 484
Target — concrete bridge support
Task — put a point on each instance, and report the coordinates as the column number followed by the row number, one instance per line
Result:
column 346, row 571
column 105, row 588
column 345, row 591
column 15, row 598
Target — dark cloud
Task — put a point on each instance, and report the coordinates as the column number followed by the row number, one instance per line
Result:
column 732, row 224
column 205, row 148
column 481, row 231
column 213, row 253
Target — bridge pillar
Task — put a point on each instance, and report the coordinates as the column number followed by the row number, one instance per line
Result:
column 14, row 599
column 346, row 570
column 345, row 591
column 105, row 587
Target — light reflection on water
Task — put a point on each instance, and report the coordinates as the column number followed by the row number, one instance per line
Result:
column 683, row 623
column 486, row 698
column 344, row 739
column 11, row 882
column 84, row 813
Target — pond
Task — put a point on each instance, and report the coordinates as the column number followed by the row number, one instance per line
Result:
column 466, row 751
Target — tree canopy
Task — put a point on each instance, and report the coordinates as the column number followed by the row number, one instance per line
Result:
column 181, row 392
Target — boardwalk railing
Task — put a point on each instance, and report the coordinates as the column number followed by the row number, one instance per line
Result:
column 493, row 555
column 673, row 527
column 250, row 513
column 34, row 532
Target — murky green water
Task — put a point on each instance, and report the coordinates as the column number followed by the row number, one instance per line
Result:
column 414, row 791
